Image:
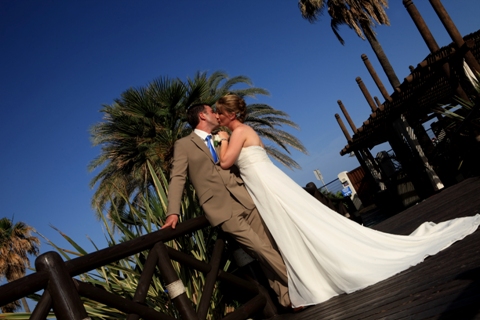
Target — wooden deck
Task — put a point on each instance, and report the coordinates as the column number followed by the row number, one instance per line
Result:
column 444, row 286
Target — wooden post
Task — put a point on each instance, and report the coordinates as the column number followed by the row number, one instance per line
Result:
column 366, row 94
column 406, row 158
column 175, row 287
column 118, row 302
column 211, row 279
column 42, row 308
column 472, row 63
column 144, row 282
column 455, row 34
column 403, row 127
column 379, row 104
column 65, row 299
column 423, row 138
column 430, row 41
column 373, row 167
column 375, row 77
column 421, row 25
column 347, row 116
column 342, row 126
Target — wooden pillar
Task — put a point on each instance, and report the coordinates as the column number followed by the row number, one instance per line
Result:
column 43, row 307
column 470, row 60
column 430, row 41
column 367, row 166
column 347, row 116
column 211, row 279
column 409, row 136
column 455, row 34
column 65, row 298
column 342, row 127
column 373, row 167
column 405, row 158
column 364, row 156
column 366, row 94
column 375, row 78
column 174, row 285
column 362, row 163
column 379, row 104
column 423, row 138
column 421, row 26
column 144, row 282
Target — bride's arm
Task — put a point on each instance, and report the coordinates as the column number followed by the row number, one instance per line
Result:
column 230, row 149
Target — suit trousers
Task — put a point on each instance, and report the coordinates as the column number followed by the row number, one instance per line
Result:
column 248, row 229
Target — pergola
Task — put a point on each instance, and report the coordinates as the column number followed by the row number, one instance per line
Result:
column 435, row 82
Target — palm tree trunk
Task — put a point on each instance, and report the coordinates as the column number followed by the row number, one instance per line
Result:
column 382, row 58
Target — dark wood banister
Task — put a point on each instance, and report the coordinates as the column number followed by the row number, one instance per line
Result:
column 34, row 282
column 159, row 256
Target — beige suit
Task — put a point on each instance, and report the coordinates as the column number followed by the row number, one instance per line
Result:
column 226, row 202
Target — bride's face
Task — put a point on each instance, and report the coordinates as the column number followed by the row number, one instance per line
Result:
column 223, row 117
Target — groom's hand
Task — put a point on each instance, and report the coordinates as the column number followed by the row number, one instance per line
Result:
column 171, row 221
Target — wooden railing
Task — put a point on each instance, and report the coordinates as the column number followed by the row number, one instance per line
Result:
column 62, row 292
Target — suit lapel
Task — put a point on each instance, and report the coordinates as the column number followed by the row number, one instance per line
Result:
column 201, row 145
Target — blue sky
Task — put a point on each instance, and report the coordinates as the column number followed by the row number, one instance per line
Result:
column 62, row 60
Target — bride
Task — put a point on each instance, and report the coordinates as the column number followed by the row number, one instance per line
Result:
column 325, row 253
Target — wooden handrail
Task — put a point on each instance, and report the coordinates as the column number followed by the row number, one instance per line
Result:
column 62, row 293
column 34, row 282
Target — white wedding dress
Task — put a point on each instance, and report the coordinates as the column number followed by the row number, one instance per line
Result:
column 325, row 253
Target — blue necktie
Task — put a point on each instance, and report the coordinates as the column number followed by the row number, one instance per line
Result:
column 210, row 147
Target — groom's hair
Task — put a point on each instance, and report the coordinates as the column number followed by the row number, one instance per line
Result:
column 192, row 114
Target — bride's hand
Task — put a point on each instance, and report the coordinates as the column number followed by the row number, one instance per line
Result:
column 223, row 135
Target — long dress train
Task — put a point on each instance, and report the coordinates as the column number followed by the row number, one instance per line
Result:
column 325, row 253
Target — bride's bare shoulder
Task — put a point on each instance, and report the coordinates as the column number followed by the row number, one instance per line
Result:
column 247, row 128
column 249, row 131
column 243, row 129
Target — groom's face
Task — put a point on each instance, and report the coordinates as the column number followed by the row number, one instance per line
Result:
column 210, row 117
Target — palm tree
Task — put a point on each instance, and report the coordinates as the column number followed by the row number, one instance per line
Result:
column 144, row 123
column 16, row 243
column 360, row 15
column 141, row 125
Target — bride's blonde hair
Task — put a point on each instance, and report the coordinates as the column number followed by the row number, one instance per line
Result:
column 233, row 103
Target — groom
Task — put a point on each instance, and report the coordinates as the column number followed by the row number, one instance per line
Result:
column 223, row 197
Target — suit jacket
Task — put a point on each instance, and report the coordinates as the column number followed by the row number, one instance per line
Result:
column 214, row 186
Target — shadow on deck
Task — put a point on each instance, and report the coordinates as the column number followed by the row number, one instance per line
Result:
column 444, row 286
